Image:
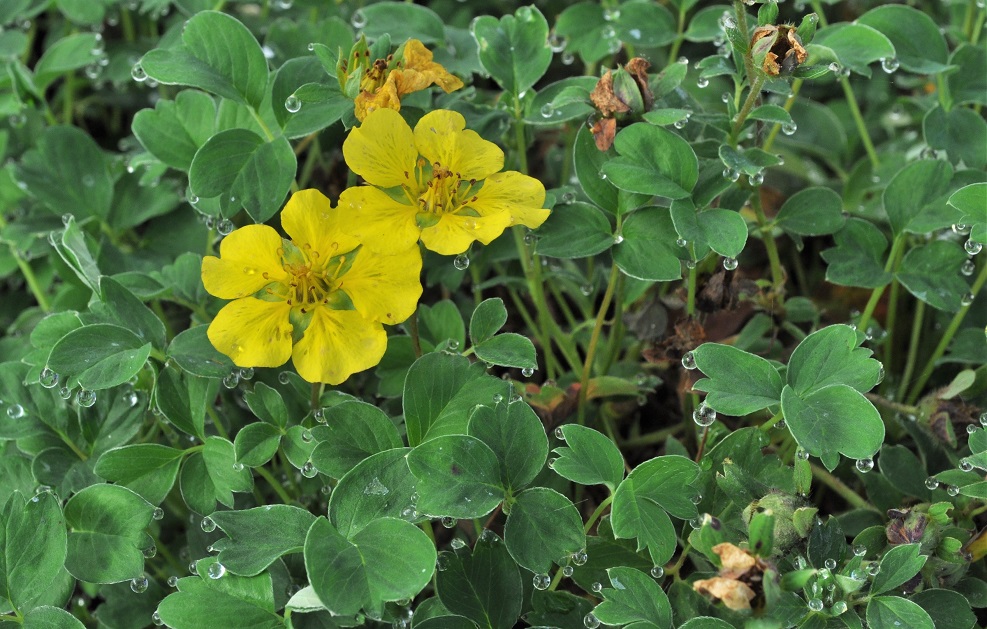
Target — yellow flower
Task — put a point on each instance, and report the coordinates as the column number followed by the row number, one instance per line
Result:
column 440, row 183
column 385, row 81
column 319, row 298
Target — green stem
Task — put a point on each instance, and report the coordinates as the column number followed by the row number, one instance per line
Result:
column 690, row 303
column 858, row 118
column 875, row 296
column 777, row 276
column 260, row 122
column 913, row 344
column 889, row 325
column 673, row 54
column 768, row 425
column 315, row 395
column 880, row 400
column 220, row 429
column 817, row 7
column 947, row 336
column 752, row 97
column 28, row 273
column 71, row 444
column 651, row 438
column 597, row 513
column 416, row 343
column 789, row 103
column 594, row 339
column 275, row 485
column 840, row 488
column 532, row 273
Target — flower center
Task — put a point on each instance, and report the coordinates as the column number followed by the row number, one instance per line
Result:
column 310, row 280
column 442, row 191
column 375, row 75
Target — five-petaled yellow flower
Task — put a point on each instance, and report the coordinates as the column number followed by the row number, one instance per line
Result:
column 385, row 81
column 440, row 183
column 319, row 298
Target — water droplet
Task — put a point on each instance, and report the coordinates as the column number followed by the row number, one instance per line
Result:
column 597, row 587
column 527, row 372
column 967, row 299
column 232, row 380
column 132, row 399
column 559, row 434
column 756, row 179
column 971, row 429
column 953, row 490
column 309, row 470
column 173, row 581
column 216, row 571
column 682, row 242
column 580, row 557
column 696, row 499
column 730, row 264
column 973, row 247
column 966, row 465
column 889, row 64
column 307, row 436
column 689, row 361
column 208, row 525
column 137, row 73
column 462, row 262
column 497, row 398
column 283, row 5
column 551, row 462
column 608, row 32
column 880, row 374
column 789, row 128
column 961, row 228
column 85, row 398
column 865, row 465
column 618, row 238
column 359, row 20
column 541, row 581
column 556, row 43
column 702, row 82
column 590, row 621
column 931, row 483
column 65, row 393
column 150, row 552
column 983, row 419
column 568, row 58
column 441, row 562
column 731, row 174
column 568, row 571
column 830, row 564
column 968, row 268
column 15, row 411
column 224, row 227
column 547, row 110
column 680, row 124
column 696, row 523
column 158, row 513
column 449, row 523
column 93, row 70
column 815, row 604
column 657, row 572
column 292, row 104
column 139, row 584
column 704, row 416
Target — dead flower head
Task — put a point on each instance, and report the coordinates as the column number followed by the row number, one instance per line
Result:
column 738, row 571
column 777, row 49
column 621, row 91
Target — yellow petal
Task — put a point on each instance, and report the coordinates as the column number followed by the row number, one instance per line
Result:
column 245, row 256
column 313, row 225
column 377, row 220
column 440, row 137
column 386, row 96
column 418, row 60
column 519, row 195
column 385, row 287
column 382, row 149
column 337, row 344
column 453, row 234
column 253, row 332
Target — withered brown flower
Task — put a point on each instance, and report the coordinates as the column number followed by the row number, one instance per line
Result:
column 778, row 48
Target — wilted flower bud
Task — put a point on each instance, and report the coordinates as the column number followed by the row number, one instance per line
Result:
column 777, row 50
column 622, row 91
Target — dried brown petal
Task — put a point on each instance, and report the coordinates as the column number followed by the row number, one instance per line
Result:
column 638, row 68
column 735, row 562
column 733, row 593
column 605, row 99
column 604, row 131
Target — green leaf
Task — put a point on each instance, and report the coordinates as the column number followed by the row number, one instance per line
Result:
column 267, row 404
column 857, row 259
column 918, row 44
column 893, row 612
column 379, row 486
column 771, row 113
column 811, row 212
column 48, row 617
column 960, row 132
column 322, row 104
column 99, row 356
column 653, row 161
column 590, row 458
column 833, row 420
column 488, row 317
column 193, row 352
column 458, row 476
column 34, row 548
column 259, row 536
column 354, row 431
column 829, row 356
column 643, row 501
column 929, row 273
column 705, row 622
column 561, row 101
column 648, row 250
column 106, row 534
column 514, row 49
column 916, row 191
column 148, row 469
column 65, row 55
column 508, row 350
column 211, row 476
column 543, row 527
column 174, row 130
column 201, row 602
column 739, row 383
column 971, row 199
column 250, row 172
column 118, row 305
column 183, row 400
column 256, row 444
column 645, row 24
column 723, row 231
column 587, row 162
column 484, row 586
column 948, row 608
column 856, row 45
column 402, row 21
column 634, row 597
column 388, row 560
column 218, row 54
column 898, row 565
column 748, row 162
column 439, row 392
column 582, row 26
column 969, row 83
column 517, row 438
column 68, row 172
